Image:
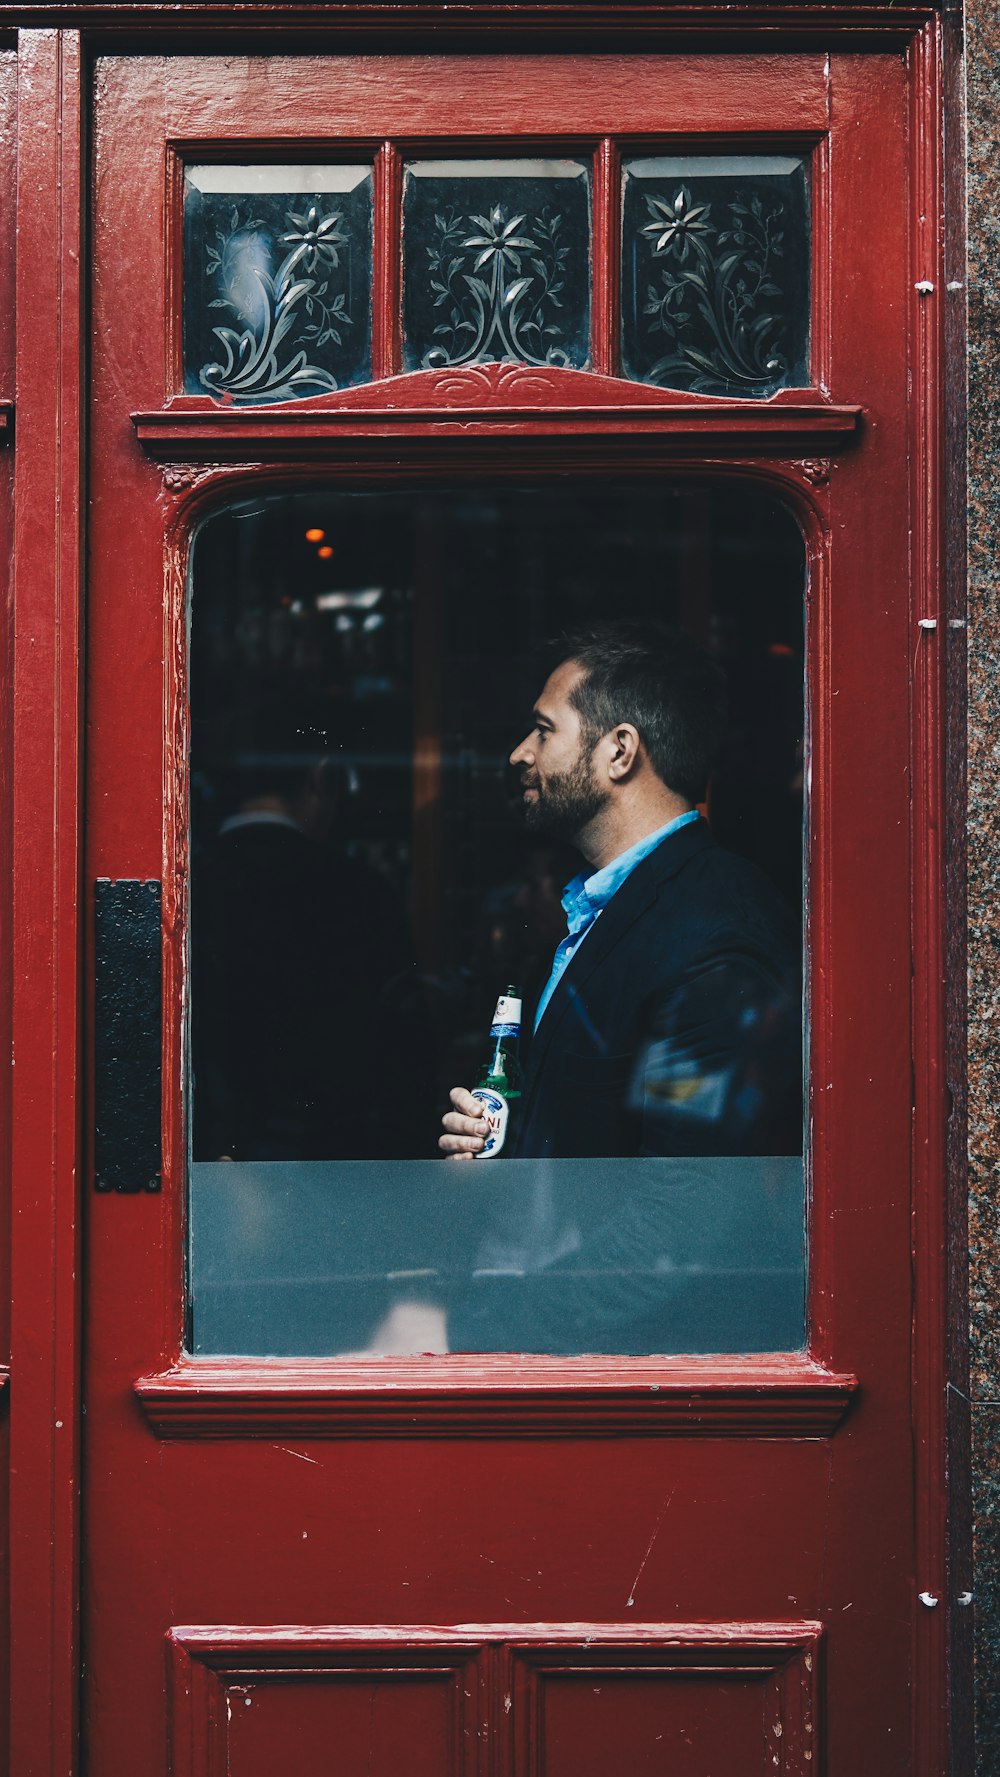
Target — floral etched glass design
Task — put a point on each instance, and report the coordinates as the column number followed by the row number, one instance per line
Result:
column 715, row 273
column 496, row 263
column 277, row 280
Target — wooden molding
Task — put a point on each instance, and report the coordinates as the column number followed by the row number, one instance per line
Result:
column 497, row 1397
column 488, row 406
column 928, row 457
column 547, row 26
column 46, row 984
column 240, row 1647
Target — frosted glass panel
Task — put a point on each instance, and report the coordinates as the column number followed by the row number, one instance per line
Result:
column 715, row 273
column 496, row 262
column 277, row 280
column 556, row 1256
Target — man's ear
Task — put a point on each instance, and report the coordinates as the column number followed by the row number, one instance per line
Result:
column 625, row 745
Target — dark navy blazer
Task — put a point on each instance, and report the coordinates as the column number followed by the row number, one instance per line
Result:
column 676, row 1027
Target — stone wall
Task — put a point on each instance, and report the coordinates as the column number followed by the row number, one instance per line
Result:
column 983, row 173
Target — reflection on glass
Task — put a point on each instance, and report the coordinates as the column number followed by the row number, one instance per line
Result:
column 277, row 280
column 367, row 877
column 496, row 263
column 715, row 273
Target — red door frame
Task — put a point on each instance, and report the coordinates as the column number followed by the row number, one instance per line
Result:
column 48, row 716
column 45, row 1124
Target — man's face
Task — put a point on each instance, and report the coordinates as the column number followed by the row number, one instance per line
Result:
column 560, row 789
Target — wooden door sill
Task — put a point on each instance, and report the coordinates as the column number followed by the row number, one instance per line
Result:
column 784, row 1395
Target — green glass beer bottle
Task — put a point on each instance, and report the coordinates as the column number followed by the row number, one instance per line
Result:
column 499, row 1083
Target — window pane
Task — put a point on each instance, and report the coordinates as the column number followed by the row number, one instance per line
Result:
column 277, row 280
column 496, row 262
column 715, row 273
column 365, row 883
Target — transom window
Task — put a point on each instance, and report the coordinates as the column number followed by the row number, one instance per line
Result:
column 703, row 263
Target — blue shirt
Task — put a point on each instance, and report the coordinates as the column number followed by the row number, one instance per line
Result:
column 586, row 897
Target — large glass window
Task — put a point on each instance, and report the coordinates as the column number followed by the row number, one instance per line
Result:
column 364, row 887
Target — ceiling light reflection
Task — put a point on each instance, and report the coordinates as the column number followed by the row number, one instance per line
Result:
column 364, row 600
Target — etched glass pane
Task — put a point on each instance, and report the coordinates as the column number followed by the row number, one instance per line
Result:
column 496, row 263
column 277, row 280
column 715, row 273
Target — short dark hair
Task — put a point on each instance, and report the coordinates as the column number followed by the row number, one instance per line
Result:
column 663, row 684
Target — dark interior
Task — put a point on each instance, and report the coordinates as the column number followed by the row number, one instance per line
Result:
column 366, row 687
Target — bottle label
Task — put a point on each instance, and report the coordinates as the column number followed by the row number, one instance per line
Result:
column 496, row 1110
column 506, row 1018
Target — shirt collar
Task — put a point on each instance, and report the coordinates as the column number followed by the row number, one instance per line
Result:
column 586, row 896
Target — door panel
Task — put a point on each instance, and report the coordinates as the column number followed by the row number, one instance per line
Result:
column 702, row 1696
column 678, row 1557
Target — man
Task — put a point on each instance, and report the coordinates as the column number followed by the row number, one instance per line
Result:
column 670, row 1021
column 297, row 954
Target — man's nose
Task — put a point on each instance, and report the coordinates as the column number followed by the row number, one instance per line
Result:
column 522, row 754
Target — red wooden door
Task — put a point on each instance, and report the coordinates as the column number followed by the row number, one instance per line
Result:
column 546, row 1564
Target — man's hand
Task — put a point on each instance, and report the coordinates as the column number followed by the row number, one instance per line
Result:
column 465, row 1126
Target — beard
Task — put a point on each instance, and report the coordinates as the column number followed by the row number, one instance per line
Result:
column 566, row 802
